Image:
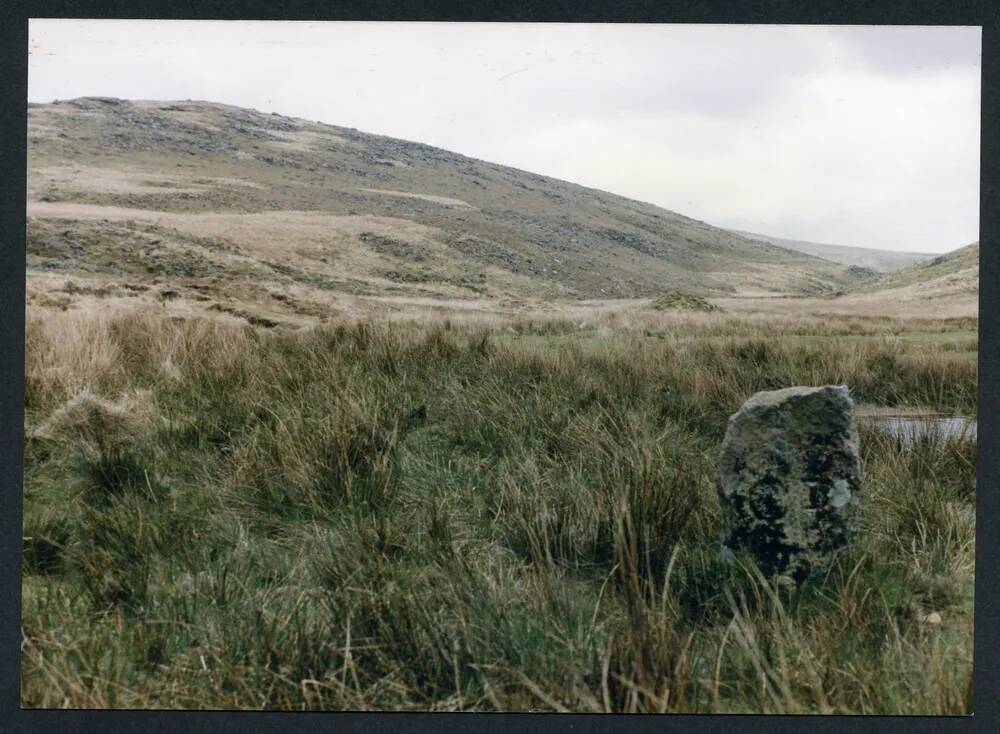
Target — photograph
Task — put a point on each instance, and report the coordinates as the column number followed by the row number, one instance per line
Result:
column 588, row 368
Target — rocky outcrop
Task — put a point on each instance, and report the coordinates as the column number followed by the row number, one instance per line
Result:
column 790, row 480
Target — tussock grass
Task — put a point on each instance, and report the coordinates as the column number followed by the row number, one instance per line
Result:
column 470, row 515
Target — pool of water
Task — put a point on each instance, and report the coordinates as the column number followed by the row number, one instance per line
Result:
column 912, row 428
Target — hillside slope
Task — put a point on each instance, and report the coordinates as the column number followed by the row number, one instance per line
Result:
column 229, row 203
column 881, row 261
column 954, row 273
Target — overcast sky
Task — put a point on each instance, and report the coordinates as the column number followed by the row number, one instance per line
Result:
column 860, row 135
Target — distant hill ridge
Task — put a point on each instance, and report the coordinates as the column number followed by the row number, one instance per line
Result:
column 881, row 261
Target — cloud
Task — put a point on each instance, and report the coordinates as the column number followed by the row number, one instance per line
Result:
column 896, row 50
column 855, row 135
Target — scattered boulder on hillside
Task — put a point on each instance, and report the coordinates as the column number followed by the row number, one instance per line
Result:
column 790, row 479
column 681, row 301
column 56, row 246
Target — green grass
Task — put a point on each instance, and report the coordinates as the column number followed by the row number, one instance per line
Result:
column 428, row 516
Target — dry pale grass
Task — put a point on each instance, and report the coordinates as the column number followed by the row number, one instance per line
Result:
column 443, row 200
column 324, row 244
column 306, row 140
column 79, row 352
column 73, row 180
column 68, row 353
column 264, row 233
column 304, row 307
column 888, row 304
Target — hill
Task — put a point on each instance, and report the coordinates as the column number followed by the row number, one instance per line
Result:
column 954, row 273
column 217, row 202
column 880, row 261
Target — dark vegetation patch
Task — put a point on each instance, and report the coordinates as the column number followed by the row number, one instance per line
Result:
column 124, row 248
column 680, row 301
column 394, row 247
column 250, row 318
column 319, row 280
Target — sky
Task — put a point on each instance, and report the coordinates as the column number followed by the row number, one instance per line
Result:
column 853, row 135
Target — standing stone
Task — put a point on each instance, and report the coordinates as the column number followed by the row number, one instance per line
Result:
column 789, row 478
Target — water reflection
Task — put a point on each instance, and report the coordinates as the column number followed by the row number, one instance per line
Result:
column 910, row 429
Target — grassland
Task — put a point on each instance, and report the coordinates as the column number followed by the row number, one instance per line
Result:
column 474, row 512
column 318, row 419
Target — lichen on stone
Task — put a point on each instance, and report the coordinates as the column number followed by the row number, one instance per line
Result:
column 790, row 479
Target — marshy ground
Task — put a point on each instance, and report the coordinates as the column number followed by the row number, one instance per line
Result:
column 480, row 513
